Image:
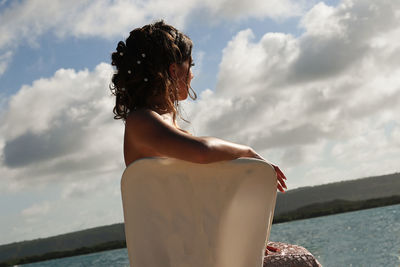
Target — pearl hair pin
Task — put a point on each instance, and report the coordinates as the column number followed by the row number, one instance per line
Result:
column 146, row 80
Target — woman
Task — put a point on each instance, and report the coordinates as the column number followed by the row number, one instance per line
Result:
column 153, row 73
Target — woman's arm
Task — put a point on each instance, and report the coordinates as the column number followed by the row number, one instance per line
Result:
column 219, row 149
column 149, row 130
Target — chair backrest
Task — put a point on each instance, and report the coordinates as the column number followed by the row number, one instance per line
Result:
column 182, row 214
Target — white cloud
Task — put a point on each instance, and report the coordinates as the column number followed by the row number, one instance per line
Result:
column 101, row 206
column 61, row 127
column 5, row 59
column 322, row 21
column 58, row 135
column 335, row 88
column 337, row 39
column 81, row 189
column 27, row 20
column 36, row 209
column 395, row 137
column 237, row 9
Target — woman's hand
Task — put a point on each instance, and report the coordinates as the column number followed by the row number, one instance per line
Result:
column 281, row 177
column 279, row 174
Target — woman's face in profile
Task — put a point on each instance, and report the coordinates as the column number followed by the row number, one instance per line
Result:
column 184, row 76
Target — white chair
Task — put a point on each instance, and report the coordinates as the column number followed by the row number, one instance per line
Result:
column 182, row 214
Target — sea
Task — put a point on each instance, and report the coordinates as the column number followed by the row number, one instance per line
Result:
column 361, row 238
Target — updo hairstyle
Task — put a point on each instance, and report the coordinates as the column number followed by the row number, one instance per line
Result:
column 142, row 78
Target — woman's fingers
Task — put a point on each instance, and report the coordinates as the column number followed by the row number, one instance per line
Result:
column 280, row 188
column 282, row 182
column 280, row 176
column 278, row 171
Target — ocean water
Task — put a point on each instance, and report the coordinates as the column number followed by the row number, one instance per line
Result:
column 361, row 238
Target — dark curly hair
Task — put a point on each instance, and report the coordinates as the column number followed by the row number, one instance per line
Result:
column 142, row 78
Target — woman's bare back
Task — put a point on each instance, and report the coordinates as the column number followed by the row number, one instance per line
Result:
column 133, row 147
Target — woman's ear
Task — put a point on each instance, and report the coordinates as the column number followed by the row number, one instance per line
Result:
column 172, row 70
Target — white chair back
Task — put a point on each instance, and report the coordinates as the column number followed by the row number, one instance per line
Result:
column 182, row 214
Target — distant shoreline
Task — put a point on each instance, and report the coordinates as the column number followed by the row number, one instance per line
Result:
column 307, row 212
column 63, row 254
column 334, row 207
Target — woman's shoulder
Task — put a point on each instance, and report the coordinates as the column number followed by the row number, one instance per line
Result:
column 142, row 115
column 149, row 120
column 142, row 123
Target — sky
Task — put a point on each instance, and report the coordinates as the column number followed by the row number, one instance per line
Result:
column 313, row 87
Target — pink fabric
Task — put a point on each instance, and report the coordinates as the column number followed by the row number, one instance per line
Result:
column 289, row 256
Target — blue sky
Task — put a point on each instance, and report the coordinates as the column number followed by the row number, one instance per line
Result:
column 312, row 86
